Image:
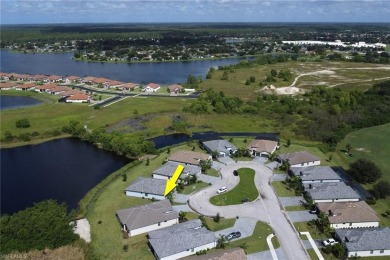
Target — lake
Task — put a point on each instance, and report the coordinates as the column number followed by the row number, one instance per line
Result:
column 63, row 169
column 63, row 64
column 10, row 102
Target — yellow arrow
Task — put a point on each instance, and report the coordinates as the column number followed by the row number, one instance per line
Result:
column 171, row 183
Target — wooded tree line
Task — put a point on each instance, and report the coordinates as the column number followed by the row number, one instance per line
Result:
column 45, row 225
column 130, row 146
column 323, row 114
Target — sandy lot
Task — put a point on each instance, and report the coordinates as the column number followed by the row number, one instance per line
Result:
column 83, row 229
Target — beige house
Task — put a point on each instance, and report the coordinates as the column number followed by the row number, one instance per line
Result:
column 262, row 148
column 189, row 157
column 349, row 214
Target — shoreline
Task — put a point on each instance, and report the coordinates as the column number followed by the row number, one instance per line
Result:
column 32, row 142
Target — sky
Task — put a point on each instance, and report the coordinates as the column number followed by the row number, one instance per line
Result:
column 165, row 11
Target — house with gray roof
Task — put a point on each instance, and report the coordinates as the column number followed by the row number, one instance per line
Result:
column 181, row 240
column 331, row 192
column 148, row 188
column 351, row 214
column 166, row 171
column 365, row 242
column 299, row 159
column 313, row 174
column 221, row 147
column 146, row 218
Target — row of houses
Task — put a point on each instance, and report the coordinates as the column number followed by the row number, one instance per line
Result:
column 355, row 222
column 70, row 95
column 97, row 81
column 167, row 238
column 154, row 188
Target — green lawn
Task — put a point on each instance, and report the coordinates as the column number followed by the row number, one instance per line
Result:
column 240, row 142
column 371, row 143
column 282, row 190
column 258, row 241
column 212, row 172
column 245, row 189
column 306, row 227
column 222, row 224
column 194, row 187
column 107, row 241
column 294, row 208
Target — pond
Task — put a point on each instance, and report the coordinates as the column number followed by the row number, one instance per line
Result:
column 63, row 169
column 11, row 102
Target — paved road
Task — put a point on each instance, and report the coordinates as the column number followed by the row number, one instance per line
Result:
column 265, row 208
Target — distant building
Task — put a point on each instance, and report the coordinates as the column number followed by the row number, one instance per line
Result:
column 151, row 87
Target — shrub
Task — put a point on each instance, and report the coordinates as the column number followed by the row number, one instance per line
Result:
column 22, row 123
column 217, row 218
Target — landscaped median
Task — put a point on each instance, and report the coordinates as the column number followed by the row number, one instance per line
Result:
column 246, row 189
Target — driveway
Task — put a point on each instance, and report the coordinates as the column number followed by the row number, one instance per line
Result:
column 226, row 160
column 217, row 165
column 266, row 255
column 279, row 177
column 180, row 198
column 291, row 201
column 208, row 179
column 301, row 216
column 260, row 160
column 265, row 208
column 244, row 225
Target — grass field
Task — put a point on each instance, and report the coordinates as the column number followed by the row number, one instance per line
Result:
column 245, row 189
column 294, row 208
column 222, row 224
column 306, row 227
column 107, row 240
column 194, row 187
column 282, row 190
column 319, row 73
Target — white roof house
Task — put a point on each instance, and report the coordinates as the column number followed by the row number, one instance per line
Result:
column 149, row 217
column 181, row 240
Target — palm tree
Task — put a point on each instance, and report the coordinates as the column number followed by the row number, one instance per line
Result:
column 348, row 146
column 222, row 242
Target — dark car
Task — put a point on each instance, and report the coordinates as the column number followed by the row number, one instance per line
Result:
column 235, row 173
column 233, row 235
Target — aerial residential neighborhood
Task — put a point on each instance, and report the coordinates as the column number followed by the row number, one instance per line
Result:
column 195, row 130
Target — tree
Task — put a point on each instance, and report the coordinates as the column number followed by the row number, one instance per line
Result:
column 274, row 73
column 288, row 142
column 205, row 165
column 182, row 216
column 348, row 147
column 45, row 225
column 124, row 177
column 217, row 218
column 22, row 123
column 364, row 171
column 222, row 242
column 382, row 189
column 225, row 75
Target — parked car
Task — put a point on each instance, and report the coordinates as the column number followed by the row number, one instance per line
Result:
column 235, row 173
column 330, row 242
column 222, row 190
column 233, row 235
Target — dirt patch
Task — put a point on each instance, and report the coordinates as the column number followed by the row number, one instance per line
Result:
column 129, row 125
column 289, row 91
column 83, row 229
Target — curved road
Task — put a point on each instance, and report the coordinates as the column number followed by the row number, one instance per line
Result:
column 265, row 208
